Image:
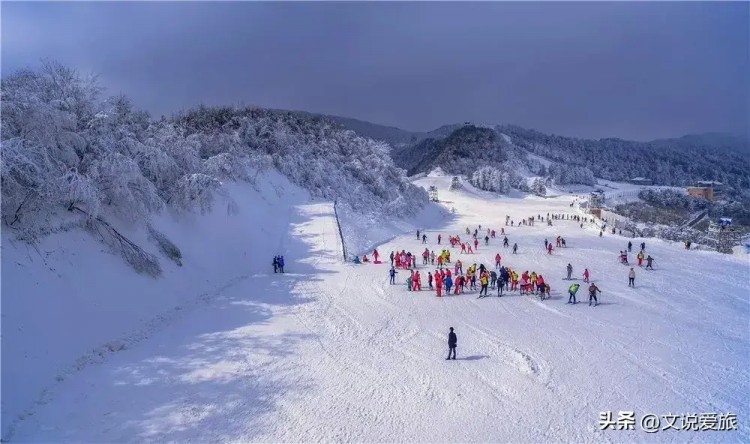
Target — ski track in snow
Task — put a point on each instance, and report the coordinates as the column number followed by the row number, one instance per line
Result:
column 332, row 352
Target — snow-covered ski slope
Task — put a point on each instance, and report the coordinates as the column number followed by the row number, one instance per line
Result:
column 331, row 352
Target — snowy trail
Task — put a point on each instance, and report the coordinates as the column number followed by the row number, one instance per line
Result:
column 332, row 352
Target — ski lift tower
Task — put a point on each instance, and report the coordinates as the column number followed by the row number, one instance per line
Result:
column 433, row 193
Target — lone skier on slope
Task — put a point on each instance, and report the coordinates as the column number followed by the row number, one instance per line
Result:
column 392, row 273
column 452, row 341
column 572, row 290
column 631, row 278
column 593, row 289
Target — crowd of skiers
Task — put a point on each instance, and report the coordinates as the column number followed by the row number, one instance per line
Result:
column 529, row 221
column 451, row 277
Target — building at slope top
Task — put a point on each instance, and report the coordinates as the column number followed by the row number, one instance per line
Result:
column 641, row 181
column 706, row 189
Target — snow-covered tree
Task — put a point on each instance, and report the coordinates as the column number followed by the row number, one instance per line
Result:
column 538, row 187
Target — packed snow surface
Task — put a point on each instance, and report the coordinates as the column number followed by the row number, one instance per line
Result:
column 329, row 351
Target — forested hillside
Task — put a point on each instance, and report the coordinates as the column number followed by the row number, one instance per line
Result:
column 677, row 162
column 67, row 148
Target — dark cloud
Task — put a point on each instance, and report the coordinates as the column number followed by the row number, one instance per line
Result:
column 633, row 70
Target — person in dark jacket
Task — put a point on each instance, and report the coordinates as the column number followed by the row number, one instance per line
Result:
column 452, row 341
column 275, row 264
column 281, row 263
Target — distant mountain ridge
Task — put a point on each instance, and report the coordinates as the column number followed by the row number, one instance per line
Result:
column 675, row 161
column 396, row 136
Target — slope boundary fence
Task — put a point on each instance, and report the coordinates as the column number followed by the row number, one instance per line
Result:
column 338, row 224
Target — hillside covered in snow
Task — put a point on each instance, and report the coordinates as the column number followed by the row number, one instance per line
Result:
column 228, row 350
column 113, row 221
column 677, row 162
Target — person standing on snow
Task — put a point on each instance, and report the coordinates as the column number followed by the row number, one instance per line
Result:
column 630, row 246
column 549, row 249
column 631, row 278
column 452, row 342
column 476, row 245
column 429, row 279
column 391, row 258
column 418, row 278
column 484, row 282
column 649, row 263
column 497, row 260
column 440, row 237
column 643, row 246
column 424, row 238
column 593, row 289
column 586, row 275
column 275, row 264
column 375, row 254
column 545, row 244
column 281, row 263
column 515, row 248
column 392, row 273
column 572, row 290
column 448, row 283
column 417, row 234
column 639, row 256
column 505, row 241
column 570, row 271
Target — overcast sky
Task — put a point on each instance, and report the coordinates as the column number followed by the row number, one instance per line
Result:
column 631, row 70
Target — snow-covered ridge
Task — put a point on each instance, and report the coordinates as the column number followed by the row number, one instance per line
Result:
column 101, row 157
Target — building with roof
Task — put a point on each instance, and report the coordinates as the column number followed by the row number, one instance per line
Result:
column 706, row 189
column 641, row 181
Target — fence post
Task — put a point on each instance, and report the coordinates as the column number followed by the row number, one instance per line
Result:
column 338, row 224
